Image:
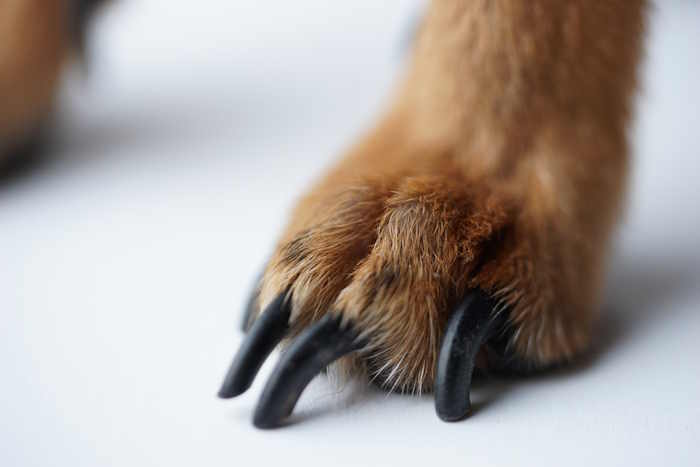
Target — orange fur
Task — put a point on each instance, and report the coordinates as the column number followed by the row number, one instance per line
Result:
column 36, row 39
column 33, row 46
column 500, row 165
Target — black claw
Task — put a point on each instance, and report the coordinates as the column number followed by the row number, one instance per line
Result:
column 83, row 11
column 470, row 326
column 314, row 349
column 266, row 332
column 250, row 307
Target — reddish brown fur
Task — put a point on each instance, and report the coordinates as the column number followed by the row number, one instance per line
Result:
column 500, row 165
column 33, row 46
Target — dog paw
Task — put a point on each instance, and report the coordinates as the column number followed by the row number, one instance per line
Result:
column 412, row 281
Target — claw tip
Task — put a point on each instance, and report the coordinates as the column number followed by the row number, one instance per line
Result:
column 230, row 390
column 453, row 414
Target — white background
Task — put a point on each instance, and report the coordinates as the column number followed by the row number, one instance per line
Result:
column 126, row 256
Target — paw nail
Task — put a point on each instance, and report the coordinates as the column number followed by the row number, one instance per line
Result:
column 314, row 349
column 264, row 335
column 249, row 313
column 469, row 327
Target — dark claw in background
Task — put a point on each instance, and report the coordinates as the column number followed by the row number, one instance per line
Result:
column 83, row 11
column 264, row 335
column 314, row 349
column 250, row 307
column 469, row 327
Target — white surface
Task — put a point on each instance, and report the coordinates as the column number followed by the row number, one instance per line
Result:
column 127, row 255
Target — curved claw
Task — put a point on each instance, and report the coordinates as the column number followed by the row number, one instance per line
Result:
column 264, row 335
column 470, row 326
column 314, row 349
